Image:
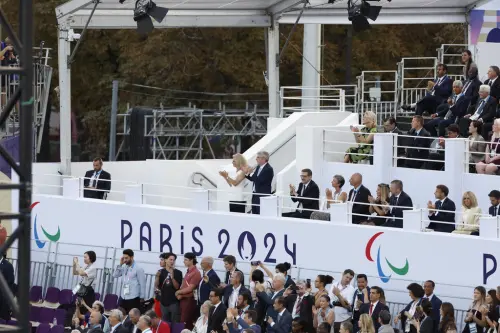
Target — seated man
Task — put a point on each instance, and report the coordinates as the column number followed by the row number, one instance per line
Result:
column 442, row 212
column 437, row 93
column 471, row 86
column 97, row 182
column 484, row 112
column 493, row 74
column 446, row 116
column 420, row 144
column 437, row 154
column 307, row 189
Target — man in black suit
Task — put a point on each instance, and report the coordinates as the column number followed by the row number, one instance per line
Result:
column 210, row 280
column 233, row 290
column 494, row 210
column 7, row 270
column 268, row 301
column 97, row 182
column 398, row 202
column 375, row 306
column 217, row 312
column 359, row 197
column 420, row 144
column 307, row 189
column 442, row 211
column 283, row 322
column 361, row 296
column 429, row 286
column 262, row 178
column 471, row 86
column 484, row 112
column 450, row 113
column 438, row 92
column 94, row 325
column 493, row 73
column 230, row 266
column 391, row 126
column 300, row 304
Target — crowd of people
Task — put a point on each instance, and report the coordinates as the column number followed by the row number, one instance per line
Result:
column 272, row 301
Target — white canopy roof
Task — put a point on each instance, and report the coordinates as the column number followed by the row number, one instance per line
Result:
column 110, row 14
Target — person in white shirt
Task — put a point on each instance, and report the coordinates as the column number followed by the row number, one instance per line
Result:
column 144, row 324
column 202, row 322
column 237, row 183
column 115, row 321
column 341, row 295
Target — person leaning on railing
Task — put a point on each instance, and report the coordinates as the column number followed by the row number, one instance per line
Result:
column 491, row 161
column 365, row 139
column 470, row 215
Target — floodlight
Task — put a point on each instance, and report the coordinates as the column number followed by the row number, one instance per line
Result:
column 360, row 11
column 144, row 11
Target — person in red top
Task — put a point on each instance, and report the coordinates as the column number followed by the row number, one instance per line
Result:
column 187, row 293
column 157, row 325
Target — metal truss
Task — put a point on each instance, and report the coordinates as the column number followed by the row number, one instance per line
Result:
column 22, row 43
column 186, row 133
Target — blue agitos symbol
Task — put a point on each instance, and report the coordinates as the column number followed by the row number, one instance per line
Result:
column 246, row 245
column 53, row 238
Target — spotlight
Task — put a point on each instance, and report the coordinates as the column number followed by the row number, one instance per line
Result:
column 360, row 11
column 144, row 11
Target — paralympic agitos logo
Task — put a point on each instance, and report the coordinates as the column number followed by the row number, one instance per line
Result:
column 53, row 238
column 383, row 277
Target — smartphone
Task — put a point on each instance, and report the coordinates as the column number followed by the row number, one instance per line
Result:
column 255, row 263
column 292, row 287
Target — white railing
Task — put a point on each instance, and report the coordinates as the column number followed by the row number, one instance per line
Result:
column 311, row 99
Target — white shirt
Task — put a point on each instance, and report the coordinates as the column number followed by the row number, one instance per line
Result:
column 276, row 292
column 372, row 306
column 233, row 298
column 429, row 297
column 236, row 192
column 215, row 307
column 347, row 292
column 278, row 317
column 114, row 327
column 299, row 298
column 260, row 169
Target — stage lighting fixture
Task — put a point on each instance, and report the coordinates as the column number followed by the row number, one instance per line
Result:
column 360, row 11
column 144, row 11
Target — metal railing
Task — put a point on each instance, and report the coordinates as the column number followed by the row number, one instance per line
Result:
column 311, row 99
column 414, row 74
column 379, row 93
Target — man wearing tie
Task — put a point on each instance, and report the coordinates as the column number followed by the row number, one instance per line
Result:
column 217, row 312
column 283, row 323
column 375, row 306
column 398, row 202
column 420, row 144
column 361, row 296
column 263, row 297
column 358, row 196
column 300, row 304
column 429, row 286
column 262, row 178
column 209, row 281
column 97, row 182
column 442, row 211
column 449, row 114
column 494, row 210
column 307, row 189
column 493, row 73
column 484, row 113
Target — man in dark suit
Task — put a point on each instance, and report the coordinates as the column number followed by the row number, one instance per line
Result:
column 391, row 126
column 233, row 290
column 359, row 197
column 436, row 154
column 262, row 178
column 429, row 286
column 115, row 319
column 493, row 73
column 494, row 210
column 97, row 182
column 230, row 266
column 442, row 211
column 307, row 189
column 398, row 202
column 420, row 144
column 283, row 322
column 248, row 321
column 217, row 312
column 375, row 306
column 268, row 301
column 361, row 296
column 438, row 92
column 450, row 113
column 7, row 270
column 471, row 86
column 94, row 325
column 210, row 280
column 300, row 304
column 484, row 112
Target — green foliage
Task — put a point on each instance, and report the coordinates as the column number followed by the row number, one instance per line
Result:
column 210, row 60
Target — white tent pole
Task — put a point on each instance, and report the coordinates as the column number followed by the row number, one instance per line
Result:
column 311, row 65
column 65, row 99
column 273, row 34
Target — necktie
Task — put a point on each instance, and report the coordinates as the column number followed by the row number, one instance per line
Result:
column 490, row 83
column 279, row 318
column 297, row 307
column 354, row 195
column 496, row 210
column 371, row 308
column 480, row 108
column 94, row 180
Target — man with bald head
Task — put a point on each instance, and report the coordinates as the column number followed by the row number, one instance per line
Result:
column 358, row 196
column 94, row 324
column 210, row 280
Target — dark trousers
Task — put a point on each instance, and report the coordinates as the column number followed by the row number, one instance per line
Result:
column 170, row 313
column 440, row 123
column 463, row 124
column 188, row 312
column 237, row 206
column 89, row 299
column 336, row 327
column 256, row 204
column 298, row 215
column 429, row 103
column 129, row 304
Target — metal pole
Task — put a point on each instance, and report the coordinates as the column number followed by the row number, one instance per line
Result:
column 112, row 121
column 348, row 56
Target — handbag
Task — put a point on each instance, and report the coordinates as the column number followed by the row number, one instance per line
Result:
column 82, row 290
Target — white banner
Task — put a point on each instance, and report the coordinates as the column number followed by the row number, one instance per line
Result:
column 388, row 254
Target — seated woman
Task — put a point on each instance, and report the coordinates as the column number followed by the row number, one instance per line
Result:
column 491, row 161
column 476, row 144
column 379, row 206
column 365, row 139
column 470, row 215
column 332, row 197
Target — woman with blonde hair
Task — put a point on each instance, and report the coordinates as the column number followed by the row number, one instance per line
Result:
column 202, row 323
column 491, row 162
column 236, row 202
column 366, row 324
column 379, row 205
column 470, row 215
column 365, row 139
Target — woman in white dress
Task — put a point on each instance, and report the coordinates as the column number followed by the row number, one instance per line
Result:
column 201, row 324
column 470, row 215
column 237, row 183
